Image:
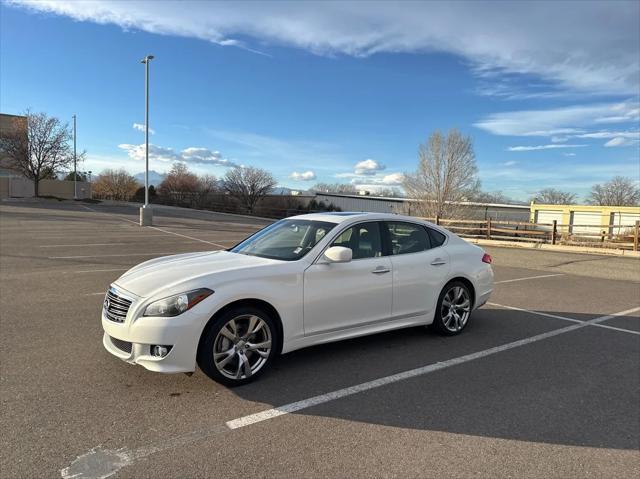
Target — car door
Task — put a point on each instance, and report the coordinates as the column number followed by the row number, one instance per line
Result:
column 420, row 267
column 340, row 296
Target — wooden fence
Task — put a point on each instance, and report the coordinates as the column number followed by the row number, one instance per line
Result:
column 609, row 236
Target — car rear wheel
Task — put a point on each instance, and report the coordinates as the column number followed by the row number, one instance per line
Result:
column 453, row 309
column 238, row 346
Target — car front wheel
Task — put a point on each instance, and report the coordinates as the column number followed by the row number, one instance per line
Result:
column 238, row 346
column 453, row 309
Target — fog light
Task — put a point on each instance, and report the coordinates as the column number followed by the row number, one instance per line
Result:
column 160, row 351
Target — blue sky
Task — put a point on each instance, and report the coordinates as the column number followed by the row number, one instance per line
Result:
column 337, row 91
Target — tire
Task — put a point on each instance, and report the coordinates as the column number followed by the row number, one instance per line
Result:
column 232, row 354
column 453, row 309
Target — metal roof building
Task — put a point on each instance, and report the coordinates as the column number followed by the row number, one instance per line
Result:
column 378, row 204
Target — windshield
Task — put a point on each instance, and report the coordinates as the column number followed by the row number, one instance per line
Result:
column 286, row 240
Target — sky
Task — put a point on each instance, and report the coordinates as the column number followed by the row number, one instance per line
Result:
column 337, row 91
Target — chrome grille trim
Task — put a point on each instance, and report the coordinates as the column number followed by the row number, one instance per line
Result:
column 116, row 306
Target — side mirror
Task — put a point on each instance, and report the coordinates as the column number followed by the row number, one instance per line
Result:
column 338, row 254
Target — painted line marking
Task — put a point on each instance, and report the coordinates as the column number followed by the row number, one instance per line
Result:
column 564, row 318
column 340, row 393
column 102, row 463
column 185, row 236
column 96, row 294
column 110, row 214
column 528, row 278
column 161, row 229
column 106, row 244
column 113, row 255
column 622, row 330
column 98, row 270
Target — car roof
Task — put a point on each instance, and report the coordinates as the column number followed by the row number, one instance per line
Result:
column 353, row 216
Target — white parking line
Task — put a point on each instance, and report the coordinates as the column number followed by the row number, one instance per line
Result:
column 110, row 244
column 99, row 462
column 185, row 236
column 540, row 313
column 161, row 229
column 98, row 270
column 340, row 393
column 112, row 255
column 80, row 245
column 528, row 277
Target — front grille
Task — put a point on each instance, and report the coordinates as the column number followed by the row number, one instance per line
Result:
column 124, row 346
column 116, row 307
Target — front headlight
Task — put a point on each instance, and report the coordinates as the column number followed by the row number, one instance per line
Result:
column 178, row 304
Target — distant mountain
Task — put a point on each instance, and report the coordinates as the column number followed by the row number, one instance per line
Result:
column 155, row 178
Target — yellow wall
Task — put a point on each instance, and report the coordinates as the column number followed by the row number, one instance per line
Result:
column 605, row 211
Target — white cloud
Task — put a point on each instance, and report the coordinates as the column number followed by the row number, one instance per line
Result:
column 542, row 147
column 304, row 176
column 140, row 127
column 200, row 156
column 510, row 163
column 611, row 134
column 621, row 141
column 566, row 121
column 569, row 154
column 368, row 167
column 392, row 179
column 591, row 47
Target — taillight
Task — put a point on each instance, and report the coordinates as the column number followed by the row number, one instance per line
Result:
column 486, row 258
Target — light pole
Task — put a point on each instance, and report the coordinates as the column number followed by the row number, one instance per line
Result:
column 146, row 214
column 75, row 174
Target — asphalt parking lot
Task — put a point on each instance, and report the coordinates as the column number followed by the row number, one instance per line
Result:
column 544, row 382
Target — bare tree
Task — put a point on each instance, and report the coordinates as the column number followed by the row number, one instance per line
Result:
column 42, row 152
column 115, row 185
column 180, row 184
column 207, row 185
column 248, row 185
column 392, row 192
column 445, row 177
column 338, row 188
column 491, row 197
column 620, row 191
column 551, row 196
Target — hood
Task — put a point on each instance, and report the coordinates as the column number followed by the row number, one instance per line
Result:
column 167, row 271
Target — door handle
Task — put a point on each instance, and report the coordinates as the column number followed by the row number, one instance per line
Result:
column 438, row 262
column 381, row 270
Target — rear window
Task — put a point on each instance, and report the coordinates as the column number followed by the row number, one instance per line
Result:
column 407, row 238
column 437, row 238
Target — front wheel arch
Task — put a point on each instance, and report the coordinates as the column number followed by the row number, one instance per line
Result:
column 251, row 302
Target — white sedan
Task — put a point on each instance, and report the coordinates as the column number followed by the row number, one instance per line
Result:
column 300, row 281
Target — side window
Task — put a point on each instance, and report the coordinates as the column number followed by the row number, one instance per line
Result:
column 407, row 238
column 437, row 238
column 363, row 239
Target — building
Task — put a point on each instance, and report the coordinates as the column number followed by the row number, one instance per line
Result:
column 586, row 220
column 10, row 126
column 376, row 204
column 13, row 184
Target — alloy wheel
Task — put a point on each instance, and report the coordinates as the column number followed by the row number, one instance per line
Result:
column 242, row 347
column 456, row 308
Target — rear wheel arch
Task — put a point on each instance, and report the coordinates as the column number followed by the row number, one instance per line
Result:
column 467, row 283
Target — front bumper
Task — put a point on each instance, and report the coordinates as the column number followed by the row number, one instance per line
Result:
column 131, row 341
